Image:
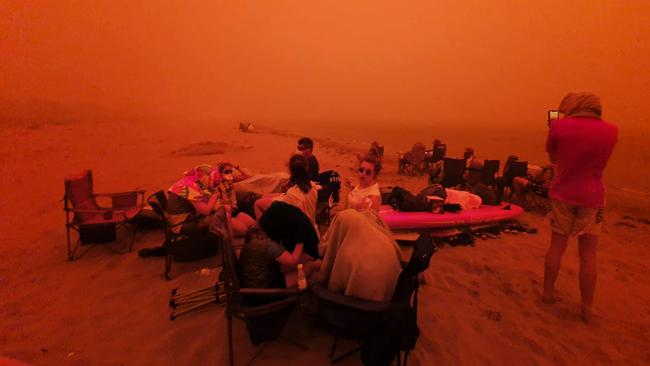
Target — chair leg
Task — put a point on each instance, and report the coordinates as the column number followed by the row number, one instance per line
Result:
column 168, row 266
column 406, row 357
column 345, row 355
column 231, row 354
column 333, row 349
column 257, row 353
column 67, row 231
column 167, row 246
column 136, row 226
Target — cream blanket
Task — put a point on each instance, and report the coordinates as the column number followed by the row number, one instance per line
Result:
column 361, row 258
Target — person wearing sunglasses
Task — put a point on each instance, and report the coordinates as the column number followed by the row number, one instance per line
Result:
column 365, row 195
column 306, row 149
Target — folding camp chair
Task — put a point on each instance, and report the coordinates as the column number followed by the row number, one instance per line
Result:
column 352, row 318
column 412, row 162
column 490, row 171
column 453, row 172
column 178, row 245
column 264, row 310
column 510, row 171
column 93, row 223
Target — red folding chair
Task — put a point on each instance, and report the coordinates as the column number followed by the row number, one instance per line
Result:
column 93, row 223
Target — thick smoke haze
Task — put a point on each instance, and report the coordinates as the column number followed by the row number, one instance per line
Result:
column 472, row 61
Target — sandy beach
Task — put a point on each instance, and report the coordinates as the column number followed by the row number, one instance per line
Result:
column 139, row 93
column 480, row 305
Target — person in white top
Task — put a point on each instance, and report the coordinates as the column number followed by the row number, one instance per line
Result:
column 301, row 192
column 365, row 195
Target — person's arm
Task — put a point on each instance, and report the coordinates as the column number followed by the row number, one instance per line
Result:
column 376, row 202
column 243, row 174
column 551, row 146
column 288, row 261
column 205, row 208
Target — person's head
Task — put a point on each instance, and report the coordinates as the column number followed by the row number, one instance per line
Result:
column 226, row 171
column 581, row 105
column 306, row 146
column 299, row 172
column 376, row 149
column 369, row 168
column 469, row 153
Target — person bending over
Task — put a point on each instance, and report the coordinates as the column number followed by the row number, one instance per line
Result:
column 267, row 264
column 361, row 258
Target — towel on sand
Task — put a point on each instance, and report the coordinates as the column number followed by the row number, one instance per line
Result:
column 361, row 258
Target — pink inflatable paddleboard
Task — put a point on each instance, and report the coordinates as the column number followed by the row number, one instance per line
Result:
column 397, row 220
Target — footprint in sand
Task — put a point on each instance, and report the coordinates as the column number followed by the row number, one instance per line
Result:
column 492, row 315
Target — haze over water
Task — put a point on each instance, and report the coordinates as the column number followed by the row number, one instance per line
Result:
column 474, row 73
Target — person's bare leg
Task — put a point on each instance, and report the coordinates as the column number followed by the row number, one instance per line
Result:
column 241, row 224
column 552, row 265
column 588, row 244
column 262, row 205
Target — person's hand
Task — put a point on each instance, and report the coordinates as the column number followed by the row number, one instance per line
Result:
column 335, row 210
column 228, row 208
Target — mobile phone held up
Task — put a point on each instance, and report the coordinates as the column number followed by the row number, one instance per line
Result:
column 552, row 116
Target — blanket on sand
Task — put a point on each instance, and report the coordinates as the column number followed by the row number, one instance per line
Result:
column 361, row 259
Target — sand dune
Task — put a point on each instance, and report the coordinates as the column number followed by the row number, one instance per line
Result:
column 481, row 304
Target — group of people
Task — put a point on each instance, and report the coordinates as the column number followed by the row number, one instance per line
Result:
column 357, row 254
column 281, row 229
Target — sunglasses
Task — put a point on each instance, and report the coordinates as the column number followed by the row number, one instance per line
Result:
column 367, row 172
column 227, row 172
column 303, row 148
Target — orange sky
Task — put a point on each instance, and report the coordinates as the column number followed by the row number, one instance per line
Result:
column 446, row 60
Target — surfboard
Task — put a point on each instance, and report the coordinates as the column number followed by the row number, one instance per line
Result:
column 397, row 220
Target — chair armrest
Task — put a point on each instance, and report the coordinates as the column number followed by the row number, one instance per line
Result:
column 269, row 292
column 79, row 210
column 125, row 193
column 323, row 294
column 127, row 199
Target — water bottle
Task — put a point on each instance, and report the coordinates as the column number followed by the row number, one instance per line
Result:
column 301, row 279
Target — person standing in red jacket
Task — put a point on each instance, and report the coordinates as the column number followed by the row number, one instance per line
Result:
column 580, row 144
